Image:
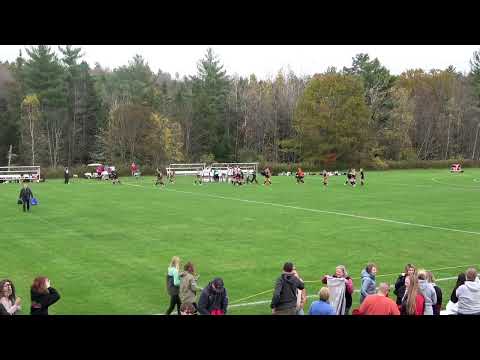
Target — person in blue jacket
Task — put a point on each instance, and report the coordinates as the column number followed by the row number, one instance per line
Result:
column 368, row 281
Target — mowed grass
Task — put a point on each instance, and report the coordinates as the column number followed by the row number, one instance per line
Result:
column 106, row 247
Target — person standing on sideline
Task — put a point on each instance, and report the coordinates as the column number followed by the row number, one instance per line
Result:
column 400, row 283
column 25, row 195
column 8, row 300
column 301, row 295
column 322, row 307
column 379, row 303
column 43, row 295
column 413, row 302
column 341, row 273
column 368, row 281
column 428, row 292
column 173, row 285
column 284, row 300
column 213, row 299
column 362, row 177
column 438, row 306
column 66, row 175
column 188, row 285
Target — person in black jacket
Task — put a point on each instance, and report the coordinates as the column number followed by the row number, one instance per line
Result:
column 400, row 283
column 214, row 299
column 66, row 175
column 25, row 195
column 438, row 306
column 460, row 281
column 43, row 295
column 284, row 300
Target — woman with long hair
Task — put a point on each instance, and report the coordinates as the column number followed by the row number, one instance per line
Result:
column 428, row 292
column 188, row 285
column 173, row 285
column 438, row 306
column 43, row 295
column 8, row 300
column 400, row 283
column 413, row 302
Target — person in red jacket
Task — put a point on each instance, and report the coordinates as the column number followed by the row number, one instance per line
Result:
column 413, row 302
column 133, row 168
column 379, row 303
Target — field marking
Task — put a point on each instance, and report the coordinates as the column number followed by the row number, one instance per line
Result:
column 260, row 302
column 457, row 186
column 320, row 211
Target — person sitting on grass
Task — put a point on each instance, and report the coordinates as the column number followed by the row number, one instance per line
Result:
column 321, row 306
column 8, row 300
column 43, row 295
column 379, row 303
column 213, row 299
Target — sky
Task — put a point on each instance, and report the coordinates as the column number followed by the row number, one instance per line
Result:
column 266, row 60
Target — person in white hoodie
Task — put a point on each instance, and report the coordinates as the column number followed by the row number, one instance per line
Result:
column 469, row 294
column 428, row 292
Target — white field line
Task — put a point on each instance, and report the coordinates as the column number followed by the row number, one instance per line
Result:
column 320, row 211
column 315, row 295
column 471, row 187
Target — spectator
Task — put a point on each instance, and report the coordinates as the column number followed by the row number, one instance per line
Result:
column 8, row 300
column 301, row 296
column 188, row 285
column 428, row 292
column 284, row 300
column 413, row 302
column 368, row 281
column 187, row 309
column 400, row 283
column 341, row 273
column 452, row 305
column 214, row 299
column 468, row 294
column 173, row 285
column 43, row 295
column 25, row 196
column 438, row 306
column 322, row 307
column 379, row 303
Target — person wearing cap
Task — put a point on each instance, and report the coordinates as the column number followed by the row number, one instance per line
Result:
column 213, row 299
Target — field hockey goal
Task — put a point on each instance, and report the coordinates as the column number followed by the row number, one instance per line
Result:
column 19, row 173
column 186, row 169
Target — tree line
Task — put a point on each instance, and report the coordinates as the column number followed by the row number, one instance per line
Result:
column 58, row 111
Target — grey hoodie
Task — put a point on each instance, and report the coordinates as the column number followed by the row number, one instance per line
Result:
column 368, row 285
column 469, row 297
column 429, row 294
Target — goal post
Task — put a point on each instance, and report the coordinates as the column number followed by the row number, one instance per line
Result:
column 19, row 173
column 186, row 169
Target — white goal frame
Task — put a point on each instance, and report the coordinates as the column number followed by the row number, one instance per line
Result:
column 19, row 173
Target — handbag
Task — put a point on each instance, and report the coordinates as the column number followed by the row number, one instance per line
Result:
column 19, row 202
column 34, row 201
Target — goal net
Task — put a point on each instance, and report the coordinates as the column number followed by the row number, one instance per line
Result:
column 19, row 173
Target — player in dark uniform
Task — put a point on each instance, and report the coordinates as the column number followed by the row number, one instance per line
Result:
column 300, row 175
column 171, row 178
column 325, row 178
column 349, row 175
column 267, row 174
column 115, row 179
column 159, row 178
column 362, row 177
column 198, row 178
column 253, row 178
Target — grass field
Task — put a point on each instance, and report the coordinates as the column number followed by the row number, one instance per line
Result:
column 106, row 247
